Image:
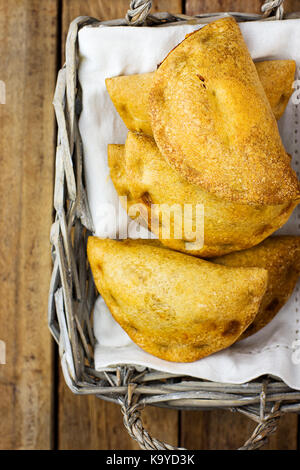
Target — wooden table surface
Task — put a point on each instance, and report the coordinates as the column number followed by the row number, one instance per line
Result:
column 37, row 410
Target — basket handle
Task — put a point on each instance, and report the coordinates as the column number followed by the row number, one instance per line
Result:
column 276, row 5
column 131, row 409
column 140, row 9
column 138, row 12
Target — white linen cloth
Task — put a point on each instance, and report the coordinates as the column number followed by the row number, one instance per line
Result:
column 110, row 51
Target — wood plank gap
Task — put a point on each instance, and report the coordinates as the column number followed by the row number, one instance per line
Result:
column 298, row 434
column 183, row 8
column 56, row 358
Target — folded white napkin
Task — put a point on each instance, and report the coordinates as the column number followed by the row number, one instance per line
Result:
column 110, row 51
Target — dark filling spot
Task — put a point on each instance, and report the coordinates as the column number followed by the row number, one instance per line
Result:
column 146, row 198
column 232, row 328
column 273, row 304
column 131, row 327
column 123, row 108
column 128, row 195
column 202, row 79
column 282, row 99
column 200, row 345
column 112, row 298
column 251, row 327
column 262, row 230
column 287, row 208
column 162, row 346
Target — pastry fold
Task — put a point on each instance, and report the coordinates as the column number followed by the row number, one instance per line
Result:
column 176, row 307
column 280, row 256
column 212, row 122
column 140, row 173
column 130, row 93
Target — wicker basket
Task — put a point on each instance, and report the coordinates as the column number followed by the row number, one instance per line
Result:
column 72, row 290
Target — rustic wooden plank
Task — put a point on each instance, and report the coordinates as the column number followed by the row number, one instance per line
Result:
column 286, row 437
column 193, row 7
column 221, row 429
column 28, row 43
column 292, row 5
column 224, row 430
column 88, row 422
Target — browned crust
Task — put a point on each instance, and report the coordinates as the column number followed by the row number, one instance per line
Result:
column 281, row 257
column 220, row 134
column 139, row 172
column 277, row 77
column 166, row 301
column 130, row 93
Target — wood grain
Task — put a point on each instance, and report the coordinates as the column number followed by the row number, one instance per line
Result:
column 224, row 430
column 88, row 422
column 28, row 42
column 194, row 7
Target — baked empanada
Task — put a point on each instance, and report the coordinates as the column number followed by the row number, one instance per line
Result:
column 139, row 172
column 277, row 77
column 174, row 306
column 130, row 93
column 212, row 122
column 130, row 96
column 280, row 256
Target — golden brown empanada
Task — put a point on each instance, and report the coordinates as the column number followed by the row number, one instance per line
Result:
column 174, row 306
column 277, row 77
column 213, row 123
column 130, row 96
column 130, row 93
column 280, row 256
column 139, row 172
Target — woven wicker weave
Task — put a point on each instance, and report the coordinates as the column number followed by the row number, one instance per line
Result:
column 72, row 290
